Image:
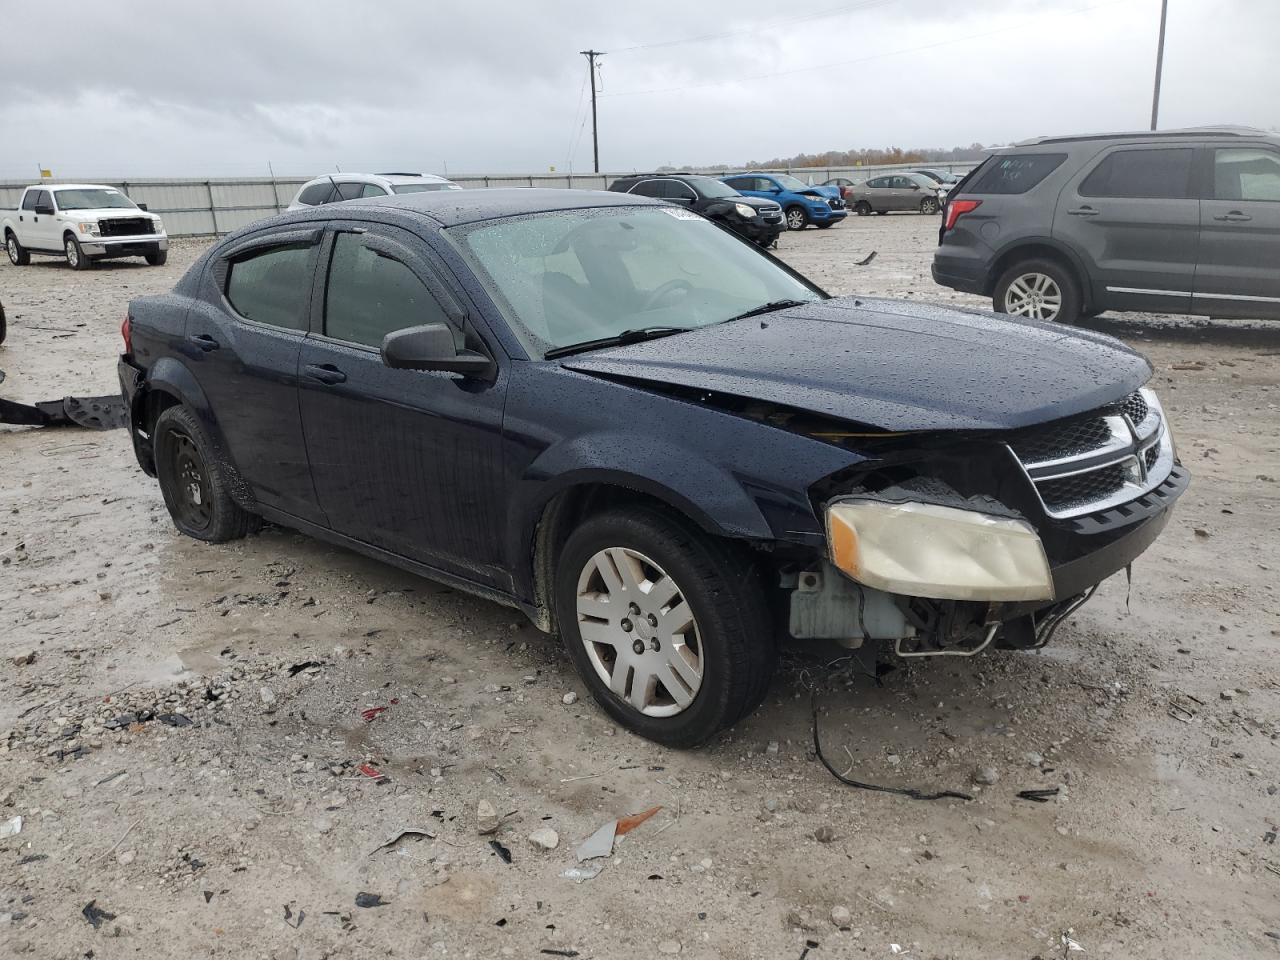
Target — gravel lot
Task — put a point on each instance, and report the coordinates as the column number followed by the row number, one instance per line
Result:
column 250, row 832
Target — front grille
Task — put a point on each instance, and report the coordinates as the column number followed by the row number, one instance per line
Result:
column 835, row 204
column 1097, row 461
column 126, row 226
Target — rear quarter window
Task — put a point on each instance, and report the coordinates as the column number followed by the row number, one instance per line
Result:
column 315, row 194
column 1163, row 174
column 1014, row 173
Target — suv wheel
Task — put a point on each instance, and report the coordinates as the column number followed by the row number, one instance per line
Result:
column 667, row 627
column 192, row 480
column 1039, row 290
column 862, row 208
column 797, row 218
column 17, row 256
column 76, row 259
column 157, row 259
column 929, row 206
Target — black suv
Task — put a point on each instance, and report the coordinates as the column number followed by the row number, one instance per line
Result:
column 1179, row 221
column 758, row 220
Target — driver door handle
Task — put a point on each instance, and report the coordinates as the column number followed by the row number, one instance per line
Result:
column 325, row 373
column 1085, row 211
column 1235, row 216
column 203, row 341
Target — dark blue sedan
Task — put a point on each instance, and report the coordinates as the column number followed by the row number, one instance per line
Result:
column 653, row 438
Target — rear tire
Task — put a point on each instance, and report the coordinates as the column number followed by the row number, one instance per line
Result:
column 1038, row 289
column 797, row 218
column 18, row 255
column 194, row 482
column 708, row 607
column 929, row 206
column 862, row 208
column 76, row 258
column 157, row 259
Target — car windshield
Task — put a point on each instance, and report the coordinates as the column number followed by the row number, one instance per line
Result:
column 790, row 183
column 422, row 187
column 92, row 199
column 574, row 276
column 711, row 188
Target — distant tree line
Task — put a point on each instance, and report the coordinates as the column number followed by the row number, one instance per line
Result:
column 855, row 158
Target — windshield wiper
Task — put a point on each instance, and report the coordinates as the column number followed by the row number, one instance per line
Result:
column 769, row 307
column 617, row 340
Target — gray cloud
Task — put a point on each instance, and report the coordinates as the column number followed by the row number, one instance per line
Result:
column 224, row 88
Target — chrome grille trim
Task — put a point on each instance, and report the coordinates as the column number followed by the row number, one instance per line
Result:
column 1135, row 458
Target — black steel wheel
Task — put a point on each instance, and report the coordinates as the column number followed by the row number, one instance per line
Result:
column 194, row 481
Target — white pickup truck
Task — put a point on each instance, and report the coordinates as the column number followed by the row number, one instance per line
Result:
column 83, row 222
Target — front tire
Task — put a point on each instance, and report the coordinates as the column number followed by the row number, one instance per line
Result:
column 1038, row 289
column 862, row 208
column 194, row 482
column 929, row 206
column 157, row 259
column 797, row 218
column 667, row 627
column 76, row 258
column 18, row 256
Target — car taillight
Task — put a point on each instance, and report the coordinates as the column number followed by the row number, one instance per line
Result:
column 956, row 208
column 126, row 331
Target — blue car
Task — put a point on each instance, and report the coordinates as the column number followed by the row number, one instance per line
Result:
column 801, row 203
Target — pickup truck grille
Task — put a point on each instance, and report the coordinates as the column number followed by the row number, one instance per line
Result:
column 1092, row 463
column 126, row 226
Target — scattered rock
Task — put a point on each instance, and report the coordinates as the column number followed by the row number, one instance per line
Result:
column 486, row 818
column 669, row 947
column 986, row 775
column 126, row 857
column 545, row 838
column 772, row 748
column 841, row 917
column 824, row 834
column 268, row 696
column 1033, row 759
column 569, row 699
column 1227, row 695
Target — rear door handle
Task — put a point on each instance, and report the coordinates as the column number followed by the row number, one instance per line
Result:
column 1083, row 212
column 1235, row 216
column 203, row 341
column 325, row 373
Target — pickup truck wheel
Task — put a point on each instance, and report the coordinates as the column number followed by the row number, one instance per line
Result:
column 797, row 218
column 17, row 255
column 929, row 206
column 76, row 259
column 1039, row 290
column 157, row 259
column 666, row 626
column 862, row 208
column 192, row 480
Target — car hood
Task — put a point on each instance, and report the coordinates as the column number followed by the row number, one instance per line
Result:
column 103, row 213
column 889, row 365
column 758, row 203
column 830, row 193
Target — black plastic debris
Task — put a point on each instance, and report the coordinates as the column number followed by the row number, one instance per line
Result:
column 1038, row 796
column 558, row 953
column 93, row 413
column 865, row 260
column 32, row 858
column 174, row 720
column 297, row 668
column 95, row 914
column 503, row 853
column 370, row 900
column 295, row 922
column 122, row 721
column 208, row 895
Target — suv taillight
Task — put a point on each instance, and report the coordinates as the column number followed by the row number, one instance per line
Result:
column 126, row 331
column 956, row 208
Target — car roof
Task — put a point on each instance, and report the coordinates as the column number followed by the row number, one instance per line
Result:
column 1180, row 133
column 73, row 186
column 382, row 179
column 451, row 208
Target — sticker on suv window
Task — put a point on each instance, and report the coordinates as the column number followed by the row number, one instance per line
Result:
column 680, row 213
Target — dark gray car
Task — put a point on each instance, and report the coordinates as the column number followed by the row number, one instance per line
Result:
column 1179, row 221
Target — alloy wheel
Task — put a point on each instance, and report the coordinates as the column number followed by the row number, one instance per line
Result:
column 12, row 248
column 1034, row 295
column 795, row 219
column 639, row 632
column 73, row 253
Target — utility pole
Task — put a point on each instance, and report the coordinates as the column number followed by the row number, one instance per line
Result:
column 595, row 133
column 1155, row 98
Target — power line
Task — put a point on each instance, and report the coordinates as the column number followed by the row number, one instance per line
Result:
column 845, row 63
column 760, row 28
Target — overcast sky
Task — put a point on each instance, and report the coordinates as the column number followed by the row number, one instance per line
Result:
column 185, row 89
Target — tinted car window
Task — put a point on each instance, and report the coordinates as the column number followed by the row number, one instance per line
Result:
column 271, row 286
column 350, row 191
column 1164, row 174
column 742, row 183
column 879, row 183
column 372, row 190
column 647, row 188
column 30, row 200
column 1016, row 173
column 1246, row 175
column 370, row 295
column 315, row 194
column 674, row 188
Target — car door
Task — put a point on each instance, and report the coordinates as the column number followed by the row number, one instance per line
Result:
column 1134, row 216
column 242, row 346
column 877, row 193
column 409, row 461
column 1238, row 273
column 43, row 228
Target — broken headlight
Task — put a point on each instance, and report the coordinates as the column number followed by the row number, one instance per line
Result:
column 744, row 210
column 926, row 550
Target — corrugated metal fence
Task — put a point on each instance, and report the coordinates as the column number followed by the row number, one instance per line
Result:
column 193, row 207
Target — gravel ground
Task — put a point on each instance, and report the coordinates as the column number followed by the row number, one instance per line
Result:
column 252, row 832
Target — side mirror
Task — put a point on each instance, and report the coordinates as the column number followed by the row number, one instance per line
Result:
column 431, row 347
column 44, row 210
column 141, row 206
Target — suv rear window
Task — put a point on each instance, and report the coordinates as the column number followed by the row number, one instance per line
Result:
column 1015, row 173
column 315, row 194
column 1147, row 174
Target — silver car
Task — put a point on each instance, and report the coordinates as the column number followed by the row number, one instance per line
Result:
column 895, row 191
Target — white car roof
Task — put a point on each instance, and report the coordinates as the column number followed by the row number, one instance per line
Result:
column 382, row 180
column 74, row 186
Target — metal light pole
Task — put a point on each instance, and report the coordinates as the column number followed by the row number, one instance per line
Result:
column 1155, row 97
column 595, row 135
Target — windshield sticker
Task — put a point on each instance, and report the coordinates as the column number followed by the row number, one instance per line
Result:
column 680, row 213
